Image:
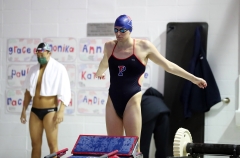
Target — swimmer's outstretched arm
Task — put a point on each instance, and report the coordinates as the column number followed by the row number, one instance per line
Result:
column 172, row 68
column 103, row 66
column 27, row 99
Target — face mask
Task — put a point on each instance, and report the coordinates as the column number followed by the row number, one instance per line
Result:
column 42, row 60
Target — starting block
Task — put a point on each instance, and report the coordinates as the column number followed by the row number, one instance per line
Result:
column 96, row 146
column 102, row 146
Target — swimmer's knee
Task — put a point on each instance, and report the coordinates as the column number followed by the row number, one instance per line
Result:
column 37, row 144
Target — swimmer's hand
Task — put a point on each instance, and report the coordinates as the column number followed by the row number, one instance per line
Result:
column 201, row 83
column 100, row 76
column 23, row 117
column 58, row 117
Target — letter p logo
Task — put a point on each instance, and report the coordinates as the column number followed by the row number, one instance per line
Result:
column 121, row 70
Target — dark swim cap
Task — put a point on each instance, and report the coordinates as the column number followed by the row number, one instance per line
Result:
column 124, row 21
column 43, row 46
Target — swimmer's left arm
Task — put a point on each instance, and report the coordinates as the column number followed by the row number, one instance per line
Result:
column 171, row 67
column 60, row 113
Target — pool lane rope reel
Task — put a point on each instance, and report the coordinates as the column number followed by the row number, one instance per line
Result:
column 181, row 139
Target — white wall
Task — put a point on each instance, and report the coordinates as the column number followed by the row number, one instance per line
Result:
column 223, row 58
column 68, row 18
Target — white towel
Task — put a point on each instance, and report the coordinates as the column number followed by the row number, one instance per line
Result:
column 55, row 81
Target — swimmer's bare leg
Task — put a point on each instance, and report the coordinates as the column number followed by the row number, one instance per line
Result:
column 36, row 132
column 132, row 118
column 51, row 129
column 114, row 123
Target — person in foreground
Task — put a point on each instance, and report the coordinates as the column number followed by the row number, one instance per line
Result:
column 126, row 59
column 47, row 85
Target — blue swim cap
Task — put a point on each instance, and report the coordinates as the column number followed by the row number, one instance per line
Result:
column 124, row 21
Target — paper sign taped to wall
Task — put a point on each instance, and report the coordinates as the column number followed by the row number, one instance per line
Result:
column 91, row 49
column 14, row 100
column 22, row 49
column 16, row 74
column 91, row 102
column 87, row 76
column 63, row 49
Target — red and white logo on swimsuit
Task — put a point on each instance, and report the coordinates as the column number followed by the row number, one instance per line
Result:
column 121, row 70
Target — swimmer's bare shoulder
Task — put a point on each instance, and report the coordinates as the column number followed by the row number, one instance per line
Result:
column 142, row 43
column 142, row 48
column 109, row 47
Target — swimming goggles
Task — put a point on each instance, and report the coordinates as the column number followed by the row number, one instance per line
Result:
column 122, row 30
